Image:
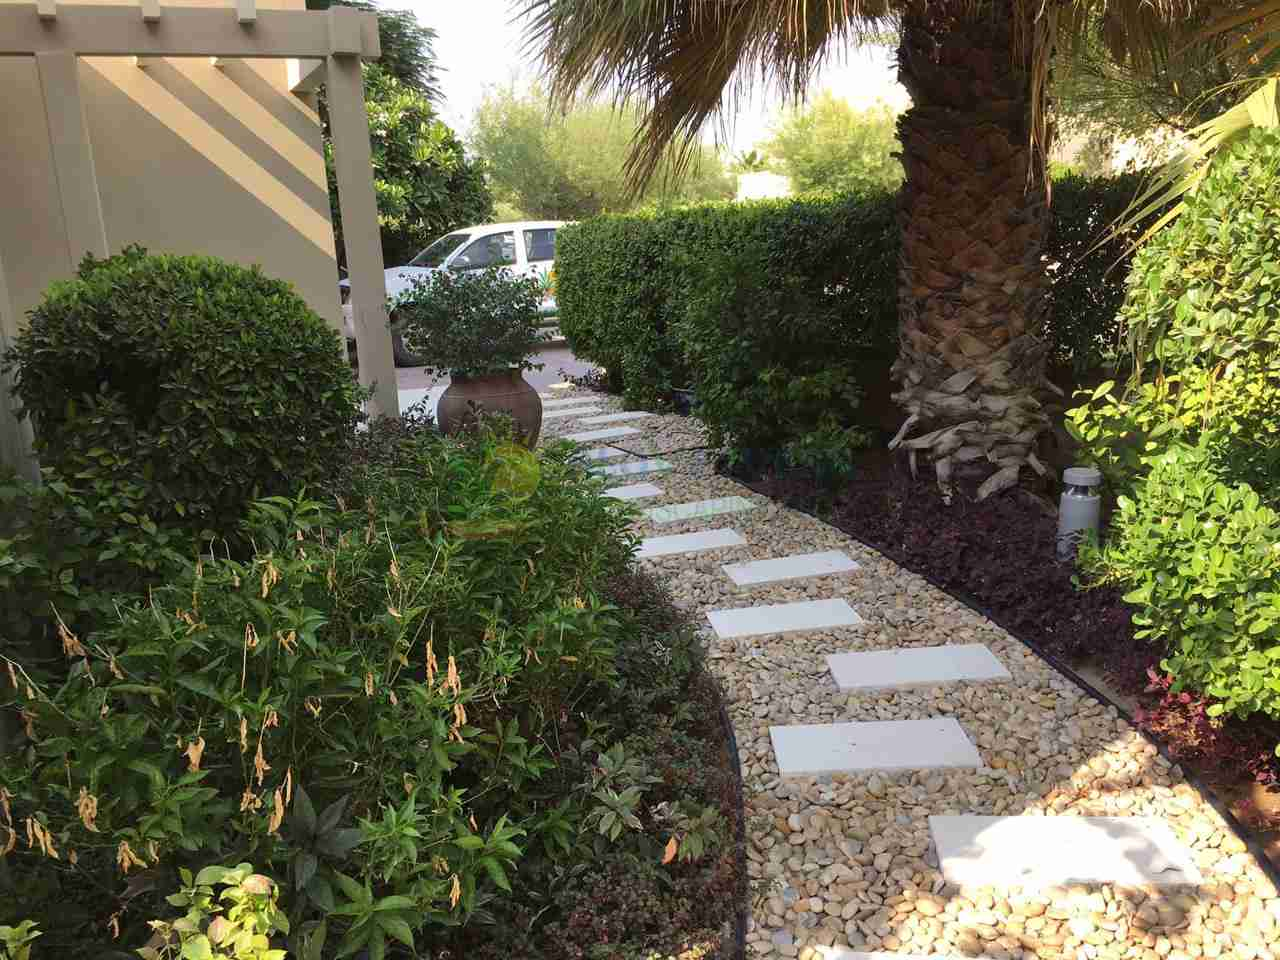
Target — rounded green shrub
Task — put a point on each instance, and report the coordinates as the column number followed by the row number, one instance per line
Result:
column 1202, row 317
column 205, row 383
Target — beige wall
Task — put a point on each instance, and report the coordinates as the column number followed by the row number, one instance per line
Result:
column 190, row 158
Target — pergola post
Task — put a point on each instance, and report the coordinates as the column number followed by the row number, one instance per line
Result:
column 361, row 239
column 15, row 434
column 72, row 155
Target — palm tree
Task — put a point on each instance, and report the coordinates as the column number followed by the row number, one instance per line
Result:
column 974, row 207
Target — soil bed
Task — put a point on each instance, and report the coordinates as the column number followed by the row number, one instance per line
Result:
column 999, row 554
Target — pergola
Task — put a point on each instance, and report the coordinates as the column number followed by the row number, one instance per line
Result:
column 328, row 47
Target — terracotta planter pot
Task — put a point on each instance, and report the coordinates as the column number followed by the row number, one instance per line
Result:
column 498, row 392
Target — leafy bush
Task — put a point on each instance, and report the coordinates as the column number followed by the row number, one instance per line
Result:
column 236, row 925
column 397, row 705
column 1201, row 561
column 196, row 382
column 776, row 357
column 473, row 323
column 1203, row 322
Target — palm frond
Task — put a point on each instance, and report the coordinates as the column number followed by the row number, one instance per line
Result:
column 1181, row 175
column 684, row 61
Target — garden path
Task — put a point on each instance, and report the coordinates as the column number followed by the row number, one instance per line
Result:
column 917, row 782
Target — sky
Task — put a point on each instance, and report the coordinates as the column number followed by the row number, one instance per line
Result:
column 480, row 47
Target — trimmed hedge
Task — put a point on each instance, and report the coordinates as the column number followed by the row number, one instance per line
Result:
column 624, row 283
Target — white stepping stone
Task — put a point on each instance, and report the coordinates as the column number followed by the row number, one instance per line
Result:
column 617, row 417
column 635, row 491
column 844, row 953
column 568, row 412
column 561, row 386
column 1047, row 851
column 601, row 453
column 549, row 404
column 817, row 749
column 915, row 667
column 789, row 568
column 698, row 509
column 638, row 468
column 689, row 543
column 783, row 618
column 607, row 434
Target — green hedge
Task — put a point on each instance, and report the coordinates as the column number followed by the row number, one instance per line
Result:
column 624, row 283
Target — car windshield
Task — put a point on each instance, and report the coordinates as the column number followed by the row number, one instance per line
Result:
column 439, row 251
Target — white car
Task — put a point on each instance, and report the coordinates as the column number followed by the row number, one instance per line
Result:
column 527, row 248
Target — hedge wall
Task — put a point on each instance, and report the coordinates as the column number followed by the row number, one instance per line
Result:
column 623, row 282
column 626, row 283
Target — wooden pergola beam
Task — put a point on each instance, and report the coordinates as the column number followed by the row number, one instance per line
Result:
column 92, row 30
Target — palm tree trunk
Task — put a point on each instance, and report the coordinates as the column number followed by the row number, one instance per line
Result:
column 973, row 215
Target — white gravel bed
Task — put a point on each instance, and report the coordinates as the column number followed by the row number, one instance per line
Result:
column 847, row 860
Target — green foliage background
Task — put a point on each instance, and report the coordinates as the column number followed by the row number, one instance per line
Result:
column 571, row 166
column 828, row 145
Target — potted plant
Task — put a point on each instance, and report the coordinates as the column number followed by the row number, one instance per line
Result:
column 481, row 328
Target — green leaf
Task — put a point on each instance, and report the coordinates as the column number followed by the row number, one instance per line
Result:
column 197, row 948
column 495, row 871
column 395, row 927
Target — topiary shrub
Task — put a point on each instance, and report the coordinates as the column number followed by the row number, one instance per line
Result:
column 1203, row 324
column 205, row 383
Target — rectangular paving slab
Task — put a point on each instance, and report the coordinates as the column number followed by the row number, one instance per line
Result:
column 816, row 749
column 915, row 667
column 601, row 453
column 635, row 469
column 634, row 492
column 606, row 434
column 698, row 509
column 783, row 618
column 789, row 568
column 568, row 412
column 617, row 417
column 689, row 542
column 1047, row 851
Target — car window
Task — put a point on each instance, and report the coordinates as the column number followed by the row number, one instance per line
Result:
column 495, row 250
column 439, row 250
column 540, row 244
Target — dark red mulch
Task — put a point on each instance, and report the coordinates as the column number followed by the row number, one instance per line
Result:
column 1000, row 554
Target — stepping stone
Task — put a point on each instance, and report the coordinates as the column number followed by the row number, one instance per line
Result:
column 789, row 568
column 915, row 667
column 783, row 618
column 601, row 453
column 699, row 508
column 548, row 404
column 560, row 386
column 617, row 417
column 844, row 953
column 568, row 412
column 635, row 491
column 817, row 749
column 689, row 543
column 1048, row 851
column 607, row 434
column 635, row 469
